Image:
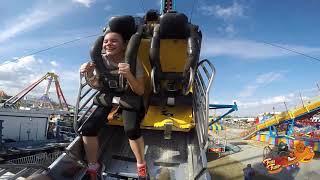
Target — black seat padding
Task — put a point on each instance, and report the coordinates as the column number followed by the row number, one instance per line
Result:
column 151, row 15
column 174, row 26
column 124, row 25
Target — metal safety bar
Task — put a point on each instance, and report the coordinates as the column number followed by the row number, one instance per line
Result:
column 85, row 95
column 27, row 166
column 41, row 159
column 17, row 171
column 204, row 77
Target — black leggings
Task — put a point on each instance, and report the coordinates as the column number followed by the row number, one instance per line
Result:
column 97, row 120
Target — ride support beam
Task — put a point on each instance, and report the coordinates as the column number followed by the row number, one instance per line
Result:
column 289, row 131
column 233, row 107
column 62, row 100
column 25, row 91
column 273, row 131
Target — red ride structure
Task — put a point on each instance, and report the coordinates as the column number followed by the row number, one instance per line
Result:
column 45, row 100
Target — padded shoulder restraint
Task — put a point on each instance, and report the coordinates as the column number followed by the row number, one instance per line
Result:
column 132, row 50
column 95, row 54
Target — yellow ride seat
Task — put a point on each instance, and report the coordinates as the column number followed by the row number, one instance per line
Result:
column 168, row 55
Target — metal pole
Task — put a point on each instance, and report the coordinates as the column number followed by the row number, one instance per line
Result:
column 1, row 145
column 28, row 132
column 301, row 99
column 285, row 105
column 37, row 129
column 20, row 131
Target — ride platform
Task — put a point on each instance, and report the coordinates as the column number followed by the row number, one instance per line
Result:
column 157, row 118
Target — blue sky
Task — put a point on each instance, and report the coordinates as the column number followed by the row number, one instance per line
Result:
column 255, row 75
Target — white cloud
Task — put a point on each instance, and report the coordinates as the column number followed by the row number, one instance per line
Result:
column 305, row 98
column 107, row 7
column 24, row 64
column 228, row 12
column 35, row 18
column 53, row 70
column 277, row 103
column 291, row 95
column 274, row 100
column 230, row 29
column 248, row 90
column 140, row 14
column 261, row 80
column 235, row 10
column 248, row 104
column 28, row 45
column 265, row 105
column 86, row 3
column 30, row 20
column 71, row 75
column 20, row 73
column 54, row 63
column 268, row 78
column 248, row 49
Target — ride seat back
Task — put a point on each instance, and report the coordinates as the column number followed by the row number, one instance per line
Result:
column 173, row 34
column 175, row 47
column 173, row 56
column 173, row 42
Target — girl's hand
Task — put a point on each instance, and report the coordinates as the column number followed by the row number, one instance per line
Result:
column 87, row 68
column 124, row 69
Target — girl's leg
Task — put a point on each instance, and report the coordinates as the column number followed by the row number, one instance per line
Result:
column 91, row 147
column 137, row 147
column 90, row 131
column 132, row 130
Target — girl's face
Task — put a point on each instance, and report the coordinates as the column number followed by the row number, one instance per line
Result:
column 113, row 44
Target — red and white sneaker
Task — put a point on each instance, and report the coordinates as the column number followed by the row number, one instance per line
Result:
column 95, row 173
column 92, row 174
column 142, row 171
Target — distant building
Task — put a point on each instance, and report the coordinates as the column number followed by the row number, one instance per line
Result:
column 24, row 125
column 243, row 119
column 251, row 119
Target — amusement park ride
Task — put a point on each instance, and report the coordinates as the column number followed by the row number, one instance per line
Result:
column 298, row 116
column 176, row 102
column 282, row 157
column 44, row 101
column 292, row 147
